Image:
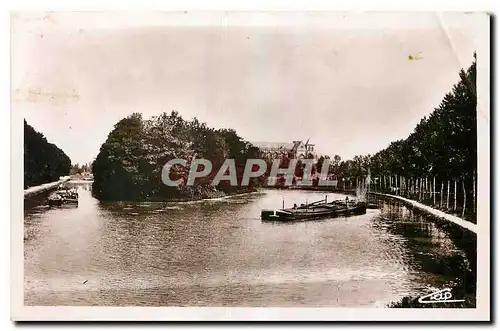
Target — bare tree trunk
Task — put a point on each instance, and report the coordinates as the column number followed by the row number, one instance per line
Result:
column 419, row 189
column 441, row 195
column 426, row 189
column 434, row 190
column 448, row 196
column 422, row 195
column 474, row 190
column 415, row 189
column 465, row 197
column 455, row 195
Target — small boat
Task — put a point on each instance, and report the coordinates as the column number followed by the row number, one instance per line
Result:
column 316, row 210
column 61, row 197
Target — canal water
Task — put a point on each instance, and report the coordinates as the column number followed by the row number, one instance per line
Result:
column 219, row 253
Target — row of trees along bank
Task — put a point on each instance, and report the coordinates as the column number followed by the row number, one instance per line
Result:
column 130, row 162
column 43, row 162
column 437, row 163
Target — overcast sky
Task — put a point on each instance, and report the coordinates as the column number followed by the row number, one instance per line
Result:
column 343, row 80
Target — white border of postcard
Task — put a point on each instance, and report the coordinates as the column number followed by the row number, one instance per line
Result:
column 20, row 312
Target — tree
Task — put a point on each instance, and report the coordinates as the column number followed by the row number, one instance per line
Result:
column 130, row 162
column 43, row 162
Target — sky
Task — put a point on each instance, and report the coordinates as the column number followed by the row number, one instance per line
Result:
column 342, row 80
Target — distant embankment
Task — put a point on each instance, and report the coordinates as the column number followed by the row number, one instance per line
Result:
column 315, row 188
column 35, row 190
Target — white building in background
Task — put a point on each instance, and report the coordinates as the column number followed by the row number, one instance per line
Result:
column 297, row 149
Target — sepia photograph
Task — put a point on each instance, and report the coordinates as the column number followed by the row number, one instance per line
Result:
column 298, row 165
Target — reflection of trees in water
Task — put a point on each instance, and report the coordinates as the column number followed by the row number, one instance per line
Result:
column 439, row 247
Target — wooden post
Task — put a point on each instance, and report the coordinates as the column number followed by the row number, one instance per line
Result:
column 448, row 196
column 455, row 195
column 434, row 190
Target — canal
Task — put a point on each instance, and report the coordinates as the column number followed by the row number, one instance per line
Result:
column 219, row 253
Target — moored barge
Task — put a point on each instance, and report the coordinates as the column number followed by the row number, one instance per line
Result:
column 316, row 210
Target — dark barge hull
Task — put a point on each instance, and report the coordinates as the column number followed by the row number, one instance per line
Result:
column 325, row 211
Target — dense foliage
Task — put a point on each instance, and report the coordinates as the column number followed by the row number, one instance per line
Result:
column 442, row 145
column 130, row 162
column 79, row 169
column 43, row 162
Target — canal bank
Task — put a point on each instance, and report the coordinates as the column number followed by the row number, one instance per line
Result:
column 432, row 212
column 463, row 234
column 37, row 195
column 32, row 191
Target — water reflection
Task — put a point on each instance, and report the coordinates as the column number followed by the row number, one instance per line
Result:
column 219, row 253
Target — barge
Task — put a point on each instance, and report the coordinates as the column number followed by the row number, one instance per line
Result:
column 316, row 210
column 63, row 197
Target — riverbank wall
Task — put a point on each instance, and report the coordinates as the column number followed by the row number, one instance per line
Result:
column 36, row 190
column 437, row 214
